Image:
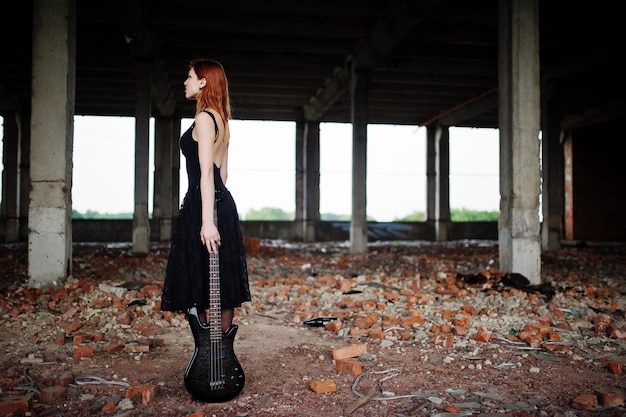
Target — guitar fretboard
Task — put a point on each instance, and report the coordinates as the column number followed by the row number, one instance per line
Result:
column 215, row 310
column 215, row 318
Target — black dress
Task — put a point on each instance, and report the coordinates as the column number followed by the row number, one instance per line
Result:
column 187, row 272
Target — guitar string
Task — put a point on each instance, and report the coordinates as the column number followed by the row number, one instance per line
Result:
column 217, row 366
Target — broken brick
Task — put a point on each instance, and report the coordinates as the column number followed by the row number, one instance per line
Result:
column 83, row 352
column 108, row 407
column 350, row 366
column 610, row 397
column 616, row 367
column 15, row 404
column 482, row 336
column 349, row 351
column 333, row 326
column 144, row 393
column 323, row 386
column 52, row 395
column 116, row 344
column 585, row 402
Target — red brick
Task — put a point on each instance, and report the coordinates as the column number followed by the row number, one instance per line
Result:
column 349, row 351
column 52, row 395
column 410, row 321
column 333, row 326
column 585, row 402
column 376, row 333
column 83, row 352
column 123, row 318
column 482, row 336
column 63, row 379
column 108, row 407
column 152, row 330
column 72, row 326
column 141, row 393
column 60, row 338
column 323, row 386
column 616, row 367
column 350, row 366
column 151, row 291
column 610, row 397
column 116, row 344
column 15, row 404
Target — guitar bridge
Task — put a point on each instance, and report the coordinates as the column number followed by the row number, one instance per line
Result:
column 215, row 385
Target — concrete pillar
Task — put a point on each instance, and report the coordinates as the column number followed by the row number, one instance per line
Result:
column 359, row 92
column 166, row 133
column 141, row 224
column 25, row 173
column 568, row 168
column 552, row 171
column 311, row 179
column 175, row 166
column 52, row 125
column 442, row 198
column 300, row 131
column 519, row 102
column 10, row 208
column 432, row 132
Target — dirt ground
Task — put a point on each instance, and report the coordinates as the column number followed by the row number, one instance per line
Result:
column 445, row 333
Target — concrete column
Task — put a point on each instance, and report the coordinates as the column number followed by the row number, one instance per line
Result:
column 165, row 135
column 552, row 171
column 359, row 92
column 175, row 166
column 300, row 131
column 442, row 199
column 25, row 173
column 519, row 102
column 432, row 132
column 10, row 208
column 311, row 179
column 52, row 128
column 141, row 224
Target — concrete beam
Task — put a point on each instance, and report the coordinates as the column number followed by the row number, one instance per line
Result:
column 141, row 40
column 386, row 33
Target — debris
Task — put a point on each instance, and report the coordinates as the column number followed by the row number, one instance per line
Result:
column 349, row 366
column 363, row 400
column 323, row 386
column 610, row 397
column 138, row 302
column 616, row 367
column 418, row 408
column 349, row 351
column 319, row 321
column 93, row 379
column 585, row 402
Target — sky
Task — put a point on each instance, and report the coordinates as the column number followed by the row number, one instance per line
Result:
column 262, row 167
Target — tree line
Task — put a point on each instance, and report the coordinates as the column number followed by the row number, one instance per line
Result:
column 277, row 214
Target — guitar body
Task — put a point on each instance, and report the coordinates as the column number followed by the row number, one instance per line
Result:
column 213, row 373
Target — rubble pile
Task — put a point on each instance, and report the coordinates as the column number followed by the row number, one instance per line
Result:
column 446, row 300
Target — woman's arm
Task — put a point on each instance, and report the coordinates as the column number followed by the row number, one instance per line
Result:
column 205, row 135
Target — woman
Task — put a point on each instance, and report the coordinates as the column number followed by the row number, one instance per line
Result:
column 205, row 147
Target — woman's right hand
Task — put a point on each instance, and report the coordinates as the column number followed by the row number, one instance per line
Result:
column 210, row 237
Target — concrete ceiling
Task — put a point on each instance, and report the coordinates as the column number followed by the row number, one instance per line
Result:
column 290, row 59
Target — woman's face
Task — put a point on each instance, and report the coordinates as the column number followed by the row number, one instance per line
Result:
column 193, row 85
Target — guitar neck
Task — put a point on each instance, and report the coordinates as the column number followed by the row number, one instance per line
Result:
column 215, row 308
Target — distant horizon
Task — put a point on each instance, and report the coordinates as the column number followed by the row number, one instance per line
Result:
column 262, row 167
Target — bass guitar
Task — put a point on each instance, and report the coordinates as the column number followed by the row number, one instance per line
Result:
column 213, row 373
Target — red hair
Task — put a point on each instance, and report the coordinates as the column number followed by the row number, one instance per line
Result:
column 215, row 92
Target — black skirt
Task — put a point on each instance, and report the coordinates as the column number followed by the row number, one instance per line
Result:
column 187, row 272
